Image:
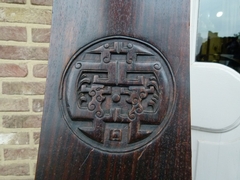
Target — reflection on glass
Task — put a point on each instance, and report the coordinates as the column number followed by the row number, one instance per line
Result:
column 218, row 37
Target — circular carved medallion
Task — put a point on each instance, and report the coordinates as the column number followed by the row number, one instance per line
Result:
column 118, row 94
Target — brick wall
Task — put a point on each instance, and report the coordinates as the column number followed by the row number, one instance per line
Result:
column 24, row 42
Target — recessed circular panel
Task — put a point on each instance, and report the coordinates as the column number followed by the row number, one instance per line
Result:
column 118, row 94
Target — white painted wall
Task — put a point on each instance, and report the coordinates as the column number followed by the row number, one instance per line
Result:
column 215, row 115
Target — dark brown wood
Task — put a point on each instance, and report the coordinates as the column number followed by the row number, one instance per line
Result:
column 117, row 102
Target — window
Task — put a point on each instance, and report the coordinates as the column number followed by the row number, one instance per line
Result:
column 218, row 34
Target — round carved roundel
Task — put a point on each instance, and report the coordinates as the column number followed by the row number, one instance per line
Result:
column 118, row 94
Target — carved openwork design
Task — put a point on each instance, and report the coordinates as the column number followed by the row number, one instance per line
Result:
column 118, row 93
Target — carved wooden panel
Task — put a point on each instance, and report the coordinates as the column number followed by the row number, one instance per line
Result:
column 117, row 102
column 118, row 93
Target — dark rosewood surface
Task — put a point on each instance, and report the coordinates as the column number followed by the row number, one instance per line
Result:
column 117, row 103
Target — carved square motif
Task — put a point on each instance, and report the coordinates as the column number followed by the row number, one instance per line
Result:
column 115, row 135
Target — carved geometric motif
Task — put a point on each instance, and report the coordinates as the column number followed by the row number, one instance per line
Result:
column 118, row 93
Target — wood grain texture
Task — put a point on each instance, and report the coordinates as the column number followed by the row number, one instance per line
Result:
column 164, row 24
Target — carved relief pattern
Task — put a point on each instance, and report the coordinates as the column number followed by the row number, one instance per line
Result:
column 114, row 94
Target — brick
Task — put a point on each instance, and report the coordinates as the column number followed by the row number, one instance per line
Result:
column 22, row 121
column 8, row 33
column 25, row 15
column 13, row 70
column 34, row 168
column 15, row 169
column 40, row 70
column 24, row 179
column 36, row 137
column 42, row 2
column 14, row 1
column 23, row 53
column 23, row 88
column 37, row 105
column 21, row 138
column 41, row 35
column 20, row 154
column 10, row 105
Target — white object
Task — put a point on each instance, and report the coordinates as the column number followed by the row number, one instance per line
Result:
column 215, row 116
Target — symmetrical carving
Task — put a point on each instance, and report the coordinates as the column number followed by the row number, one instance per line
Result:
column 113, row 93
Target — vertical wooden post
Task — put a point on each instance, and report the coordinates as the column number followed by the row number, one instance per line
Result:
column 117, row 98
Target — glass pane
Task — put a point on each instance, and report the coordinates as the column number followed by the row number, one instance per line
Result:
column 218, row 37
